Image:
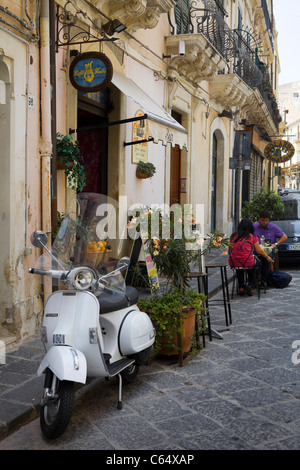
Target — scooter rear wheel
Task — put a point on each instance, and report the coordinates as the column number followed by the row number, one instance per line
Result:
column 55, row 415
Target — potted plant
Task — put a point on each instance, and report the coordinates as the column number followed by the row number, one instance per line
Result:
column 68, row 154
column 174, row 310
column 173, row 314
column 145, row 170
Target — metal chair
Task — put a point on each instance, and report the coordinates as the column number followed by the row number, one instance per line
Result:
column 225, row 291
column 237, row 265
column 246, row 270
column 203, row 289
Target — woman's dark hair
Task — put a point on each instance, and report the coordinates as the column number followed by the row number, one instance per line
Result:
column 244, row 229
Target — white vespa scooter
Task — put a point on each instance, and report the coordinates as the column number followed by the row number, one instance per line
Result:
column 94, row 327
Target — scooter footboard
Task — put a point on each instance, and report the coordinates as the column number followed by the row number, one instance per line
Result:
column 66, row 363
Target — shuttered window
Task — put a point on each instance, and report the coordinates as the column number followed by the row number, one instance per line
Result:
column 182, row 16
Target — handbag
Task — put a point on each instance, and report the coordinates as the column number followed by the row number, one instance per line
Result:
column 279, row 279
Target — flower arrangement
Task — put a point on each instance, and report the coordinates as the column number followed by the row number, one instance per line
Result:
column 173, row 243
column 168, row 235
column 216, row 240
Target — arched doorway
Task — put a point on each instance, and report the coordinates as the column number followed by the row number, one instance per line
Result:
column 213, row 196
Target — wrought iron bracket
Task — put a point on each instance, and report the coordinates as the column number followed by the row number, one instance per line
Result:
column 108, row 124
column 69, row 31
column 134, row 142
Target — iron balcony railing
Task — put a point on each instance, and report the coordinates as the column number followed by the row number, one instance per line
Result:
column 238, row 47
column 269, row 22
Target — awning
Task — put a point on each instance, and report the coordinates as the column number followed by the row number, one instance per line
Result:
column 161, row 125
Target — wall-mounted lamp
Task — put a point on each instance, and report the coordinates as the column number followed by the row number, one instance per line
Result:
column 113, row 26
column 181, row 51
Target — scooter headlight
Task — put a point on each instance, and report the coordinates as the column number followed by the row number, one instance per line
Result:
column 83, row 279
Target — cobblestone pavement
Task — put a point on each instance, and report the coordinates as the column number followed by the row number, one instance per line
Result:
column 240, row 393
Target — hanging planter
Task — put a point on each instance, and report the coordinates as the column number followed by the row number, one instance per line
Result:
column 145, row 170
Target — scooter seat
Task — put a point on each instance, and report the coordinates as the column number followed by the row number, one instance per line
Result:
column 111, row 302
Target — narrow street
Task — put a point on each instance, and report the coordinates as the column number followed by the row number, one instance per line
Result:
column 240, row 393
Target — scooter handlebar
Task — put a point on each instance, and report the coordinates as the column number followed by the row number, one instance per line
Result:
column 43, row 272
column 51, row 272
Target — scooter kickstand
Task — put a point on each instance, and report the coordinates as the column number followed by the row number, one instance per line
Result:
column 119, row 405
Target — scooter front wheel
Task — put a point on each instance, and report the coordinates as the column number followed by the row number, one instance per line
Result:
column 129, row 374
column 55, row 415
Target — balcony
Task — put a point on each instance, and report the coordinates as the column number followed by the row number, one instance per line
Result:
column 139, row 14
column 206, row 37
column 229, row 60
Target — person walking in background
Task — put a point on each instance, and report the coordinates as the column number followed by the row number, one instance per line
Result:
column 268, row 232
column 241, row 247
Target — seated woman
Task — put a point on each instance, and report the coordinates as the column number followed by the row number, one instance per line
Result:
column 241, row 246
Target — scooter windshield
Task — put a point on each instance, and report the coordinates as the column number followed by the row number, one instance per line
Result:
column 90, row 236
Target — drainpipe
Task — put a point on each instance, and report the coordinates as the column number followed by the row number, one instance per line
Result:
column 52, row 15
column 46, row 141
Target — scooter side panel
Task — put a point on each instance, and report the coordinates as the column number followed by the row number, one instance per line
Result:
column 66, row 363
column 137, row 333
column 68, row 317
column 86, row 318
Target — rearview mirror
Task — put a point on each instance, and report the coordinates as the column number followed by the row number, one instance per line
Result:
column 123, row 263
column 39, row 239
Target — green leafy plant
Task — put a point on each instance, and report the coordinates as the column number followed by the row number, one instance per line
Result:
column 145, row 169
column 168, row 235
column 174, row 242
column 167, row 312
column 266, row 199
column 68, row 153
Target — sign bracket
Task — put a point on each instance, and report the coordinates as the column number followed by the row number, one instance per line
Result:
column 108, row 124
column 134, row 142
column 70, row 32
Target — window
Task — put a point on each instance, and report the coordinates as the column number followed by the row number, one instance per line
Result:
column 291, row 210
column 296, row 95
column 182, row 16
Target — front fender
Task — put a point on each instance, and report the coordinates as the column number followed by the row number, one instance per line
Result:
column 66, row 363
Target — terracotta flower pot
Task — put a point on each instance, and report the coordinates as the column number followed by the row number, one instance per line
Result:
column 188, row 327
column 141, row 174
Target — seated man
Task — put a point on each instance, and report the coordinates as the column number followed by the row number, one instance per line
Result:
column 269, row 231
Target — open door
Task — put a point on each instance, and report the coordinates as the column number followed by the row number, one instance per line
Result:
column 175, row 176
column 92, row 138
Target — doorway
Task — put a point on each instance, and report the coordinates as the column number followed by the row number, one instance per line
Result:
column 175, row 175
column 92, row 137
column 213, row 202
column 175, row 168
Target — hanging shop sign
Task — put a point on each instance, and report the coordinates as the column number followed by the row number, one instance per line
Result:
column 91, row 71
column 140, row 133
column 279, row 151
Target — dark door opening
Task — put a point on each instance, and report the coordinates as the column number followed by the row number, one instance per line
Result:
column 92, row 138
column 175, row 168
column 175, row 176
column 214, row 185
